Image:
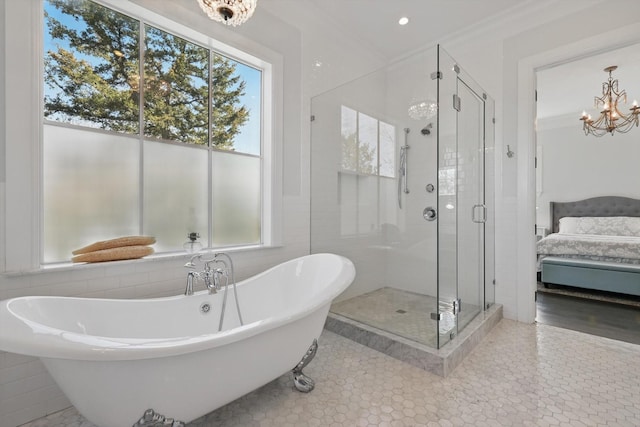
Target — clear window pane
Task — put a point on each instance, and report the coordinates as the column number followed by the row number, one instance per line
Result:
column 367, row 144
column 88, row 194
column 91, row 66
column 387, row 150
column 349, row 132
column 175, row 194
column 236, row 199
column 236, row 106
column 176, row 88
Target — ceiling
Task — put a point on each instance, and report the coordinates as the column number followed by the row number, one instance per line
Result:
column 563, row 90
column 570, row 88
column 375, row 22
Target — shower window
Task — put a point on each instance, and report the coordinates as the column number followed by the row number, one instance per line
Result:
column 368, row 154
column 148, row 132
column 368, row 144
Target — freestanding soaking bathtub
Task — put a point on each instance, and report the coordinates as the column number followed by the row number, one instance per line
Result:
column 162, row 361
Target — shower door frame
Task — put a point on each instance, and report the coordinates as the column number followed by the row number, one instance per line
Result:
column 448, row 290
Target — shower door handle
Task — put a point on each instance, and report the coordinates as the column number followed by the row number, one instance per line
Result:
column 483, row 218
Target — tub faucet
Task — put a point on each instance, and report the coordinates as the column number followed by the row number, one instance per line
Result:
column 212, row 277
column 191, row 276
column 207, row 275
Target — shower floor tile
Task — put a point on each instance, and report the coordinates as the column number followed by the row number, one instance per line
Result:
column 402, row 313
column 520, row 375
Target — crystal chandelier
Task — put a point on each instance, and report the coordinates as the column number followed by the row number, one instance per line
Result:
column 611, row 118
column 424, row 109
column 229, row 12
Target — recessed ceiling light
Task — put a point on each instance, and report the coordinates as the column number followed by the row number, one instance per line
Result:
column 403, row 21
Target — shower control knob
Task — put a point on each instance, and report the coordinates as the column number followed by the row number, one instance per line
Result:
column 430, row 188
column 429, row 214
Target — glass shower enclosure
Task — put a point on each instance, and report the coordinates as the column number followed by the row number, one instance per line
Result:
column 402, row 179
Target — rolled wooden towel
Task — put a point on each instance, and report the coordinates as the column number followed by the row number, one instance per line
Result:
column 114, row 254
column 117, row 243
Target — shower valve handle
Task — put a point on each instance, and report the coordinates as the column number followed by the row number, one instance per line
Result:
column 429, row 214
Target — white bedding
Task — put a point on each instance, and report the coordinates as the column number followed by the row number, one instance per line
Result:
column 625, row 249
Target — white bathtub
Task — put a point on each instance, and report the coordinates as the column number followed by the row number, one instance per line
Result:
column 115, row 359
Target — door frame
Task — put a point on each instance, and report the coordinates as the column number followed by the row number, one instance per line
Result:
column 526, row 282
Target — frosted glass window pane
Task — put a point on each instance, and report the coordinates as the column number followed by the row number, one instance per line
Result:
column 367, row 144
column 387, row 150
column 175, row 194
column 91, row 71
column 367, row 204
column 349, row 132
column 90, row 189
column 176, row 88
column 236, row 202
column 348, row 204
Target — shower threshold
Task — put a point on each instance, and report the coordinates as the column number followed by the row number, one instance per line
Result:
column 397, row 323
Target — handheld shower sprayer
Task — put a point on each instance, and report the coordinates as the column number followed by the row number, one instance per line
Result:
column 403, row 169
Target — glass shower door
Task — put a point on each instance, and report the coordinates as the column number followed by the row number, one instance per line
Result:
column 461, row 201
column 447, row 200
column 472, row 211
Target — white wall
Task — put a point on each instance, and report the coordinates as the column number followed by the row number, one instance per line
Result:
column 575, row 166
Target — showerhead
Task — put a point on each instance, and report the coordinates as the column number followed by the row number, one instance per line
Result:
column 427, row 129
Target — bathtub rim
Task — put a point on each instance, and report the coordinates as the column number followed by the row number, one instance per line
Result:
column 24, row 336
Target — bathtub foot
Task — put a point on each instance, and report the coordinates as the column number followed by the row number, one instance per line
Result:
column 151, row 419
column 302, row 382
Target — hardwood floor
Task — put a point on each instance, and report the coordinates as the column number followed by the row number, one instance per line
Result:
column 616, row 321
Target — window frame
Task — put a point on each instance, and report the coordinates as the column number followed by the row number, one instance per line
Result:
column 23, row 199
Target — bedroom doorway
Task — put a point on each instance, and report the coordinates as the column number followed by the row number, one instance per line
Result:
column 572, row 166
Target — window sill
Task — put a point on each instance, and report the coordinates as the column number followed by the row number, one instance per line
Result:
column 155, row 258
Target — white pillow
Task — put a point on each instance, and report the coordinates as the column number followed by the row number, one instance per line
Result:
column 568, row 225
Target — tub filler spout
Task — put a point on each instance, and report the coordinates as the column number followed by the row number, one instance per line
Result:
column 118, row 371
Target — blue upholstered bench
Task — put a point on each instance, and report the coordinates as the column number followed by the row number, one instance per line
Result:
column 604, row 276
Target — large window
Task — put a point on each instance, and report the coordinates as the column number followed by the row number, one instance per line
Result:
column 146, row 132
column 368, row 156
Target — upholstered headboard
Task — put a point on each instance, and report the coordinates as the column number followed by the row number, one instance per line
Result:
column 596, row 206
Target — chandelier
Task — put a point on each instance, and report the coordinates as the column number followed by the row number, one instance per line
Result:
column 229, row 12
column 423, row 109
column 611, row 118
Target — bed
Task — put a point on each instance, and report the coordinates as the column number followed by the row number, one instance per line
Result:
column 594, row 244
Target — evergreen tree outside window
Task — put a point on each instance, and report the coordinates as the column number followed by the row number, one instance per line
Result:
column 91, row 66
column 117, row 90
column 176, row 88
